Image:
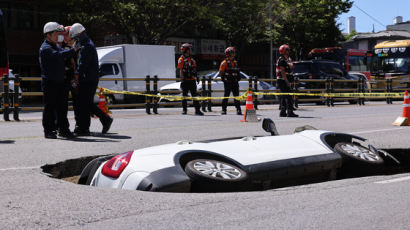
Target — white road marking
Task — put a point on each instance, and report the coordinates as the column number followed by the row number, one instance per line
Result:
column 393, row 180
column 376, row 130
column 20, row 168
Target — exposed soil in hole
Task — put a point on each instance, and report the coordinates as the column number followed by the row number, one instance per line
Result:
column 70, row 170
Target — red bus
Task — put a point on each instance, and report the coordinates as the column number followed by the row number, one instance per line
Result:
column 354, row 60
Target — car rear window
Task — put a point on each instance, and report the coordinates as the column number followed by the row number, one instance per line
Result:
column 331, row 68
column 302, row 68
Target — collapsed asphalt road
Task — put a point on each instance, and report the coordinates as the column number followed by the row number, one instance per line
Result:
column 71, row 169
column 31, row 200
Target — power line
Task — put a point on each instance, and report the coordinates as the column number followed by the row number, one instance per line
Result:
column 369, row 16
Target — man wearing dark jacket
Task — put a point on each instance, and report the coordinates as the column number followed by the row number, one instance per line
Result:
column 52, row 64
column 87, row 77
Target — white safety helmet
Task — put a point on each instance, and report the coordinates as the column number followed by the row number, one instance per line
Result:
column 76, row 29
column 52, row 26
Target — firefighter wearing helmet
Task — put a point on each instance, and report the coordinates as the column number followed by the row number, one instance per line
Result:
column 52, row 58
column 229, row 73
column 283, row 68
column 187, row 74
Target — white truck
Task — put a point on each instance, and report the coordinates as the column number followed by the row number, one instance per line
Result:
column 134, row 61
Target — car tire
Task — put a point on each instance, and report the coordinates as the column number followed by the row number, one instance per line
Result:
column 358, row 153
column 209, row 175
column 89, row 170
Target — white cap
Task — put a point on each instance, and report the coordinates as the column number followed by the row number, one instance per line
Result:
column 76, row 29
column 52, row 26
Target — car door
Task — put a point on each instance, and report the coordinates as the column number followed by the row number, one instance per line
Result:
column 109, row 71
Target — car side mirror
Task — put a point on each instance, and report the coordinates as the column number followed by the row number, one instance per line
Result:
column 269, row 126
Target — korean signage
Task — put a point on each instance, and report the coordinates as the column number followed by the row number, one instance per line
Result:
column 177, row 42
column 210, row 49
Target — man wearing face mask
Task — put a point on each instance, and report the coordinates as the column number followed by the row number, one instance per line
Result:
column 52, row 59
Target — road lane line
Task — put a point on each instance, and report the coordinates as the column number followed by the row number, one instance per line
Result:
column 393, row 180
column 376, row 130
column 20, row 168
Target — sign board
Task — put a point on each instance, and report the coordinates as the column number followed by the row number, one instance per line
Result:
column 177, row 42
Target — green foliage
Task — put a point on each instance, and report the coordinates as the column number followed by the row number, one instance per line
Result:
column 349, row 37
column 304, row 24
column 307, row 24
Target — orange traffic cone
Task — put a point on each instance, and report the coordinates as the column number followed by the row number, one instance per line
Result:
column 102, row 104
column 250, row 112
column 404, row 119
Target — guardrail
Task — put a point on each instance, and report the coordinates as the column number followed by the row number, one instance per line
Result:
column 11, row 101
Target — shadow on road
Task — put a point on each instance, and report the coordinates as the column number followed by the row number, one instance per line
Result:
column 7, row 142
column 99, row 137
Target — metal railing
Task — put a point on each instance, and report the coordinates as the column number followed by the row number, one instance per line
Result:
column 11, row 101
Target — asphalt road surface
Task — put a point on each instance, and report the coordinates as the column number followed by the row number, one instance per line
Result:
column 30, row 199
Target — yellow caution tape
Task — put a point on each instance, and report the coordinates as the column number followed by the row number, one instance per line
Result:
column 361, row 95
column 171, row 97
column 244, row 95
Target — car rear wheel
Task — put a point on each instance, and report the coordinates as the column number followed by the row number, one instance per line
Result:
column 214, row 170
column 214, row 175
column 358, row 153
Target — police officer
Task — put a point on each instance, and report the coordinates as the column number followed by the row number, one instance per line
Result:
column 229, row 72
column 187, row 73
column 52, row 66
column 283, row 69
column 86, row 76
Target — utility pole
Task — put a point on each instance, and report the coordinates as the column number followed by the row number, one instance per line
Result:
column 271, row 45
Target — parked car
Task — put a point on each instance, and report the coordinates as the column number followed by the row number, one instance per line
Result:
column 174, row 89
column 322, row 70
column 233, row 164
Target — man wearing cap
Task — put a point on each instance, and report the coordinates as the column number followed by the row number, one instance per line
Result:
column 86, row 75
column 52, row 64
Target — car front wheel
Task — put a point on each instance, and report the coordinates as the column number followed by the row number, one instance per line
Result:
column 358, row 153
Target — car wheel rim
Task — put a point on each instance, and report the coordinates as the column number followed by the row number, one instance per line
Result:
column 217, row 169
column 360, row 152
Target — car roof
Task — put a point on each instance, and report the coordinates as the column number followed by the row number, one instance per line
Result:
column 215, row 74
column 317, row 61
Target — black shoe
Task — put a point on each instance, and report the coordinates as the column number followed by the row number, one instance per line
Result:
column 199, row 113
column 223, row 112
column 292, row 115
column 107, row 125
column 80, row 132
column 283, row 115
column 184, row 112
column 238, row 112
column 66, row 134
column 50, row 135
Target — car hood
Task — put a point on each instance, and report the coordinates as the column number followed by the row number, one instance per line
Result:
column 246, row 151
column 172, row 86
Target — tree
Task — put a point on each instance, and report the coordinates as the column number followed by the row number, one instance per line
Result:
column 308, row 24
column 304, row 24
